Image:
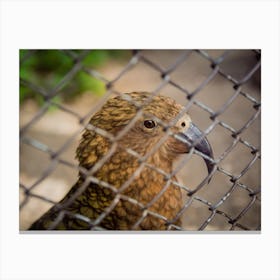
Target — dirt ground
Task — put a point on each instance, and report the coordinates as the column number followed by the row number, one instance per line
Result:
column 56, row 127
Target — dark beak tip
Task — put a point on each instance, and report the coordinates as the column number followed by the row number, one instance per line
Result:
column 205, row 148
column 210, row 168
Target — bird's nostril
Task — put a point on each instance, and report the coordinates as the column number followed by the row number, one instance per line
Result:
column 183, row 124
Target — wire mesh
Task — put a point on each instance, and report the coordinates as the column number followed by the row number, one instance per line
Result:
column 219, row 89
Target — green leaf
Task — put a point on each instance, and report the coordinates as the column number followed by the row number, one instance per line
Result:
column 88, row 83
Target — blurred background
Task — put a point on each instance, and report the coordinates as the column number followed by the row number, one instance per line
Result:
column 61, row 89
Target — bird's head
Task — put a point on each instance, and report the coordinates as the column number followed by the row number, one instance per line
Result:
column 155, row 127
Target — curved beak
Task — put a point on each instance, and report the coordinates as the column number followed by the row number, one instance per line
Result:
column 194, row 136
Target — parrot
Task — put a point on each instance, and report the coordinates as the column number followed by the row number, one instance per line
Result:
column 126, row 155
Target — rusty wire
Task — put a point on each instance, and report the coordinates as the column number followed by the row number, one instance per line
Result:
column 213, row 207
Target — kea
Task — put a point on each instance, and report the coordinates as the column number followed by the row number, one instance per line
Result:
column 125, row 159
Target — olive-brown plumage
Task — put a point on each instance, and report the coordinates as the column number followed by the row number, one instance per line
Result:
column 128, row 153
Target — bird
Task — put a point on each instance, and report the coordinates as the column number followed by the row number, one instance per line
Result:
column 126, row 155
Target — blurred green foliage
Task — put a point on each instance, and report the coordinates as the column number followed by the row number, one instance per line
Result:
column 46, row 68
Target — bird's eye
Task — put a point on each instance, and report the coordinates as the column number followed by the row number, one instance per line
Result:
column 149, row 124
column 183, row 124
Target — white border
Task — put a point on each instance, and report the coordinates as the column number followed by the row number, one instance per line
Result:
column 146, row 24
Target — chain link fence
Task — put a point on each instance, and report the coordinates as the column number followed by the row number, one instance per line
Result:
column 219, row 89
